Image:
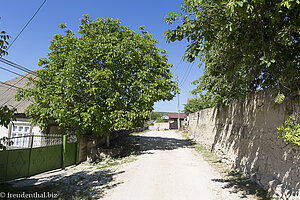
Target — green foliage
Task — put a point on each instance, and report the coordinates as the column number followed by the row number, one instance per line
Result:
column 155, row 115
column 6, row 115
column 106, row 78
column 290, row 131
column 3, row 43
column 246, row 45
column 159, row 120
column 194, row 105
column 280, row 98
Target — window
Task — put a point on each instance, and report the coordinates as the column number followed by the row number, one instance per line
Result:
column 20, row 134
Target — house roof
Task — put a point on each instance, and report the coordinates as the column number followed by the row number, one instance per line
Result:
column 175, row 115
column 7, row 92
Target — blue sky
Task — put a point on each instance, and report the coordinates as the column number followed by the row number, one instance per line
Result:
column 34, row 42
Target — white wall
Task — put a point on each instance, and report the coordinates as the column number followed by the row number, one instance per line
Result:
column 159, row 126
column 3, row 131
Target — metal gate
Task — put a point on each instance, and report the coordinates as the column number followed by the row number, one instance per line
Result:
column 39, row 154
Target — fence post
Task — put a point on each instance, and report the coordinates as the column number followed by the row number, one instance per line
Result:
column 30, row 150
column 64, row 145
column 77, row 150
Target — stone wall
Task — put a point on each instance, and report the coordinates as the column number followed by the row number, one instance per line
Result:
column 91, row 146
column 245, row 134
column 159, row 126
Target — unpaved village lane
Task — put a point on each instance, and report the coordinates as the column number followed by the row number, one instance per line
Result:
column 168, row 169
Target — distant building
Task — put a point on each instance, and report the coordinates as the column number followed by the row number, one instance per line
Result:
column 173, row 120
column 165, row 118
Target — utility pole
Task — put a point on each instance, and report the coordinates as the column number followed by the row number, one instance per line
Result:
column 178, row 120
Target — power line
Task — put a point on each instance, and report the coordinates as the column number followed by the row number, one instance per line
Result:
column 185, row 89
column 17, row 66
column 177, row 65
column 187, row 74
column 186, row 71
column 26, row 24
column 13, row 86
column 10, row 71
column 10, row 85
column 23, row 76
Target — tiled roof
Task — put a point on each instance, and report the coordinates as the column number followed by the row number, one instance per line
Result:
column 7, row 93
column 175, row 115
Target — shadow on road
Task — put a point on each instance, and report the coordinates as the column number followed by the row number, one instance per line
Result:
column 239, row 184
column 144, row 144
column 91, row 184
column 79, row 185
column 148, row 143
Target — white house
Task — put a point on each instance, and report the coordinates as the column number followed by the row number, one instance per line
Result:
column 20, row 127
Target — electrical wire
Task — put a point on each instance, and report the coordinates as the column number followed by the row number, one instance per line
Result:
column 23, row 76
column 17, row 66
column 26, row 24
column 187, row 69
column 176, row 67
column 7, row 84
column 14, row 86
column 185, row 72
column 10, row 71
column 185, row 89
column 190, row 69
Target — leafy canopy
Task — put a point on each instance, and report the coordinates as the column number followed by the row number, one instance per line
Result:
column 246, row 45
column 107, row 78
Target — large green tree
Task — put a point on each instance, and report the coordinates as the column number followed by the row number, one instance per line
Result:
column 108, row 77
column 246, row 45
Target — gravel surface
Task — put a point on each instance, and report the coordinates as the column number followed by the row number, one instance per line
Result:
column 169, row 169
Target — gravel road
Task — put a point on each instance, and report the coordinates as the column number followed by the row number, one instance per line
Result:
column 162, row 165
column 168, row 169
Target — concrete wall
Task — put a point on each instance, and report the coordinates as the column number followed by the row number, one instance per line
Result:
column 159, row 126
column 245, row 134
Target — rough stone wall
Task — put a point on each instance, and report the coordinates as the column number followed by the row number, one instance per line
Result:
column 245, row 134
column 91, row 146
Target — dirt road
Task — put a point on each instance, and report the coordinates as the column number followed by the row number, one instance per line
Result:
column 168, row 169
